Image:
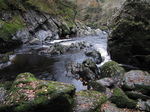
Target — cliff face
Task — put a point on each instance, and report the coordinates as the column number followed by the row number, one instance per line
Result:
column 129, row 42
column 21, row 21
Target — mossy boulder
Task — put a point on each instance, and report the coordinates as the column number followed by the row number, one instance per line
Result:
column 137, row 80
column 110, row 107
column 88, row 101
column 136, row 95
column 129, row 42
column 121, row 100
column 28, row 94
column 113, row 70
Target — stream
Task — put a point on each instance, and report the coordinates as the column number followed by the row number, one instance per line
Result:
column 46, row 67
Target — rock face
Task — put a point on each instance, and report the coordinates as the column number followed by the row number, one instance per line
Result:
column 30, row 94
column 129, row 41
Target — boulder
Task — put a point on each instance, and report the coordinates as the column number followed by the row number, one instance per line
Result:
column 87, row 70
column 74, row 69
column 113, row 70
column 95, row 55
column 143, row 105
column 110, row 107
column 137, row 80
column 35, row 41
column 30, row 94
column 88, row 101
column 137, row 95
column 121, row 100
column 90, row 70
column 129, row 40
column 100, row 86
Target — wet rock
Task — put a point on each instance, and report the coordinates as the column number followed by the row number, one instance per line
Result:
column 129, row 42
column 98, row 32
column 90, row 70
column 95, row 55
column 88, row 101
column 55, row 49
column 30, row 94
column 5, row 57
column 137, row 80
column 75, row 69
column 80, row 46
column 42, row 35
column 35, row 41
column 22, row 35
column 113, row 70
column 87, row 70
column 121, row 100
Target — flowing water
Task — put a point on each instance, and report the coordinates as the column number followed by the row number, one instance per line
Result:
column 52, row 67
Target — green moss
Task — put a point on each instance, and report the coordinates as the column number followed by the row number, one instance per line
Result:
column 3, row 5
column 10, row 27
column 110, row 69
column 27, row 94
column 121, row 99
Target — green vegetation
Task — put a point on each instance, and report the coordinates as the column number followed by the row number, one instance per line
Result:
column 10, row 27
column 110, row 69
column 27, row 94
column 121, row 99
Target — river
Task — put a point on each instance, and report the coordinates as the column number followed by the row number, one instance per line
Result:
column 27, row 59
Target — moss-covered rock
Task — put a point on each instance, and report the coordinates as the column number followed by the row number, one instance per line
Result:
column 137, row 80
column 129, row 42
column 88, row 101
column 29, row 94
column 110, row 107
column 121, row 99
column 110, row 69
column 113, row 70
column 136, row 95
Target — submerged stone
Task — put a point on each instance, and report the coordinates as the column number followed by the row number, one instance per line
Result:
column 29, row 94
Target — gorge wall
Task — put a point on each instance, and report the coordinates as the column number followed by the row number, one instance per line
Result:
column 129, row 41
